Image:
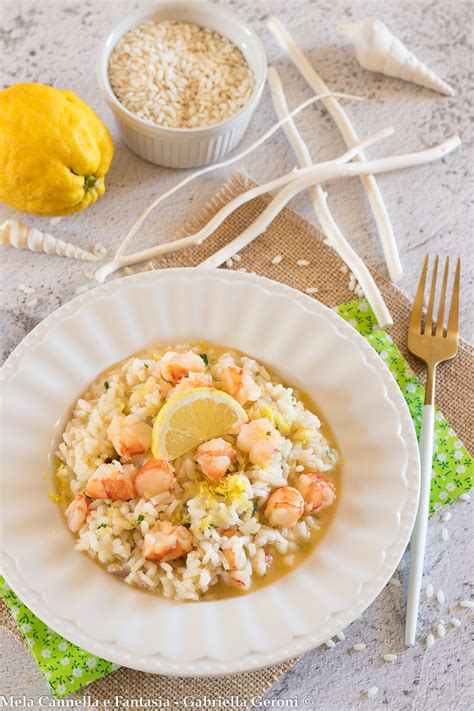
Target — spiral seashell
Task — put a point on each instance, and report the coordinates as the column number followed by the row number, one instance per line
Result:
column 17, row 235
column 378, row 50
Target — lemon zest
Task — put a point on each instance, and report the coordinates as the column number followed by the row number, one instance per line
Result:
column 205, row 523
column 267, row 412
column 282, row 425
column 152, row 410
column 303, row 435
column 230, row 490
column 276, row 418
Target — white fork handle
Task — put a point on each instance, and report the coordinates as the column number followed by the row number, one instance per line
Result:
column 418, row 538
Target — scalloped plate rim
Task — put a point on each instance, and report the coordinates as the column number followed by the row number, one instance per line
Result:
column 158, row 663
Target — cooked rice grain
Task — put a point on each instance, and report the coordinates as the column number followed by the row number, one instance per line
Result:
column 114, row 532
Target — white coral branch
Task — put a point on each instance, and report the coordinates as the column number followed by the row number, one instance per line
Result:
column 295, row 181
column 315, row 175
column 349, row 135
column 319, row 202
column 223, row 164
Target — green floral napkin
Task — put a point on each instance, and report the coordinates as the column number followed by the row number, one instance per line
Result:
column 68, row 668
column 452, row 465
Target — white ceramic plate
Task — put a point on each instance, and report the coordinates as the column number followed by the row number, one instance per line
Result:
column 309, row 346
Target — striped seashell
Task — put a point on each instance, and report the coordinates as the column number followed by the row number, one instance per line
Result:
column 15, row 234
column 378, row 50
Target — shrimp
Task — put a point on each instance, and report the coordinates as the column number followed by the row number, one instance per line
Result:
column 318, row 492
column 260, row 439
column 166, row 542
column 175, row 366
column 193, row 380
column 285, row 506
column 215, row 457
column 240, row 384
column 242, row 578
column 154, row 477
column 76, row 513
column 112, row 481
column 129, row 435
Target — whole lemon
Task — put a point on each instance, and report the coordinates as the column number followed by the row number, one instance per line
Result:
column 54, row 151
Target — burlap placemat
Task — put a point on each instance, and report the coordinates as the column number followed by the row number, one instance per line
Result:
column 294, row 239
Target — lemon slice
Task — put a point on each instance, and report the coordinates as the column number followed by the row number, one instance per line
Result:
column 192, row 417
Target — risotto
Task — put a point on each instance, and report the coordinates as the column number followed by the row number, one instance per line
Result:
column 193, row 472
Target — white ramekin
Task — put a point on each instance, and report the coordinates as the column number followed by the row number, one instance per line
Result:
column 186, row 147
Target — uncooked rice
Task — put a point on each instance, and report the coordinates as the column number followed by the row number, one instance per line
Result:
column 179, row 75
column 114, row 531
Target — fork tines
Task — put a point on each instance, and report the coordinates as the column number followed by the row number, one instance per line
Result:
column 425, row 325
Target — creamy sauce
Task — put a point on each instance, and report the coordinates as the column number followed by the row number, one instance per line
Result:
column 279, row 567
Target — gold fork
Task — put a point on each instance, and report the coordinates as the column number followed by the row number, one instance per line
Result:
column 433, row 344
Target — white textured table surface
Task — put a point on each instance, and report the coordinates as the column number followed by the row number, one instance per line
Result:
column 57, row 43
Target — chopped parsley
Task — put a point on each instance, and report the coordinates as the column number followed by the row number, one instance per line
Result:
column 146, row 365
column 205, row 358
column 102, row 525
column 140, row 518
column 106, row 385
